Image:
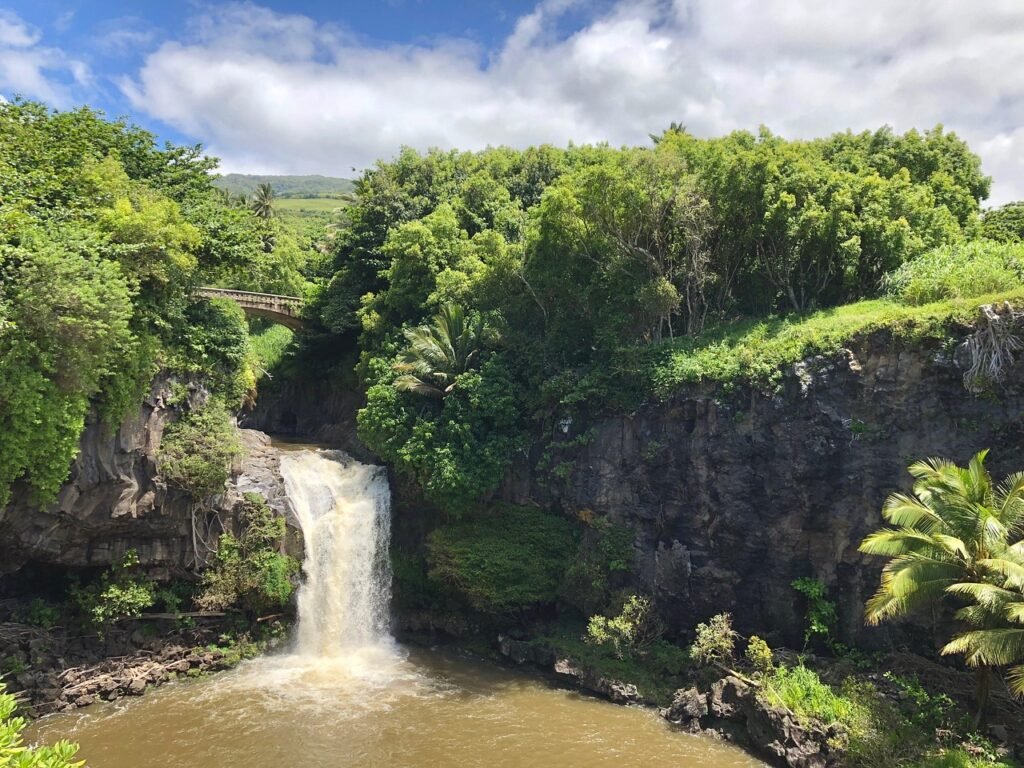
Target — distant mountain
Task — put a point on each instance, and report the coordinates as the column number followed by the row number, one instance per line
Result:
column 286, row 186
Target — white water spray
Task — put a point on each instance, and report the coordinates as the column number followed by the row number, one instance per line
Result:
column 344, row 508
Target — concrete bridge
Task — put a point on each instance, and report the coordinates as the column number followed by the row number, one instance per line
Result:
column 281, row 309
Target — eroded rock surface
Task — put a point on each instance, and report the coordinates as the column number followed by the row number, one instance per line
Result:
column 734, row 494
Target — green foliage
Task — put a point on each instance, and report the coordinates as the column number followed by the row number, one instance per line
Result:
column 41, row 614
column 103, row 233
column 958, row 536
column 632, row 631
column 925, row 711
column 269, row 346
column 657, row 673
column 605, row 551
column 821, row 612
column 759, row 656
column 198, row 449
column 14, row 753
column 800, row 690
column 715, row 641
column 959, row 758
column 214, row 340
column 510, row 559
column 250, row 572
column 120, row 593
column 582, row 260
column 759, row 351
column 1004, row 224
column 959, row 271
column 438, row 353
column 457, row 449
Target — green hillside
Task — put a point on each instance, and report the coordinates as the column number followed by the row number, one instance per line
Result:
column 286, row 186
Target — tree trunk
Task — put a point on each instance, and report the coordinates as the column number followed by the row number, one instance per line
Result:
column 983, row 680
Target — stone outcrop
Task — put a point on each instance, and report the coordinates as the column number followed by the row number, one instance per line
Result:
column 114, row 499
column 733, row 494
column 733, row 708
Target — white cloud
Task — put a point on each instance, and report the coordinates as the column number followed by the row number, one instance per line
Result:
column 33, row 70
column 281, row 92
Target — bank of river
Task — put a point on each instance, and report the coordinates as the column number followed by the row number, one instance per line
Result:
column 382, row 707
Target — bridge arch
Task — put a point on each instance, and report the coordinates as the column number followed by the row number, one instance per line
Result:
column 285, row 310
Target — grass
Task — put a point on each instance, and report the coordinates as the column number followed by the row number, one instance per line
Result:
column 757, row 352
column 308, row 204
column 801, row 691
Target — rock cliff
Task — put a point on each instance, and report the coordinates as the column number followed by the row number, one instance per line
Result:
column 734, row 494
column 114, row 499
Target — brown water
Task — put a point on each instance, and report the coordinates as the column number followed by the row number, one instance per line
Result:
column 424, row 709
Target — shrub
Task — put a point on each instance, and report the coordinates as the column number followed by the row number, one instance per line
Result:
column 120, row 593
column 760, row 656
column 197, row 451
column 605, row 550
column 13, row 753
column 510, row 559
column 633, row 630
column 41, row 614
column 967, row 269
column 716, row 641
column 248, row 571
column 821, row 612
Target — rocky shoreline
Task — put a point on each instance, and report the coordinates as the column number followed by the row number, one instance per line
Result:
column 728, row 707
column 51, row 671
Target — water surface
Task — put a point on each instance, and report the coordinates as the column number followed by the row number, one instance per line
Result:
column 374, row 710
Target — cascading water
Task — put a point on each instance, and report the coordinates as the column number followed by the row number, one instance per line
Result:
column 344, row 509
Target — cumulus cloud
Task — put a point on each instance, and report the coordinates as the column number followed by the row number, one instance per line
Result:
column 34, row 70
column 281, row 92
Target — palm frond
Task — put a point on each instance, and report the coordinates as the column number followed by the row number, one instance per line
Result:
column 1015, row 679
column 988, row 647
column 408, row 383
column 906, row 511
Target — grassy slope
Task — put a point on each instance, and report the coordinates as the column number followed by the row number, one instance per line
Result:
column 286, row 186
column 307, row 204
column 758, row 351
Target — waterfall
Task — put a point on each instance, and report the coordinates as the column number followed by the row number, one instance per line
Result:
column 344, row 509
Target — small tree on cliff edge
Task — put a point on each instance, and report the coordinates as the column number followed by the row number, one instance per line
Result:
column 954, row 537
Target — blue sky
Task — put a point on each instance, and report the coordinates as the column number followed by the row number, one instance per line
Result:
column 307, row 87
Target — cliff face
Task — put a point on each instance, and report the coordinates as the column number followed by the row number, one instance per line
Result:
column 114, row 499
column 734, row 495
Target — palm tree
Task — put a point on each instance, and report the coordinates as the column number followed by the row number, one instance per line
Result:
column 438, row 353
column 1002, row 645
column 950, row 533
column 262, row 202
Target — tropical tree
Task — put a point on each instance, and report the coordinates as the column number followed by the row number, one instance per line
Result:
column 262, row 201
column 951, row 537
column 1000, row 645
column 438, row 353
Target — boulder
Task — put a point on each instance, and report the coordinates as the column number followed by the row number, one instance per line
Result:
column 688, row 706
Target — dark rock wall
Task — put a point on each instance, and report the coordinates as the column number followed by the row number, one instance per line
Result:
column 114, row 499
column 316, row 409
column 733, row 495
